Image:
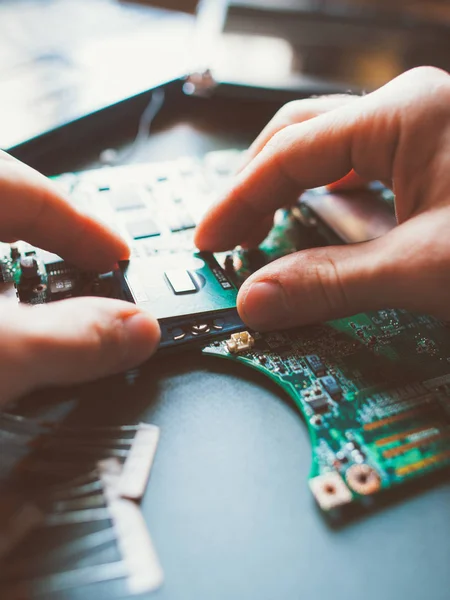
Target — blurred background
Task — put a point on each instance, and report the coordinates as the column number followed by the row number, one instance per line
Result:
column 63, row 59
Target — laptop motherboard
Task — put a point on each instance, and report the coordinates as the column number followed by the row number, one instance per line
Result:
column 373, row 389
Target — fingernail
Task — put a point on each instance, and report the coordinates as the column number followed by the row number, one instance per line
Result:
column 263, row 303
column 142, row 334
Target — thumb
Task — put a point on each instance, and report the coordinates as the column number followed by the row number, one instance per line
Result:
column 71, row 341
column 402, row 269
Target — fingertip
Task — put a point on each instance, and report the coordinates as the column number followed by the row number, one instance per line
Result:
column 74, row 341
column 219, row 230
column 207, row 237
column 119, row 250
column 143, row 336
column 262, row 304
column 258, row 233
column 122, row 248
column 200, row 239
column 110, row 243
column 105, row 249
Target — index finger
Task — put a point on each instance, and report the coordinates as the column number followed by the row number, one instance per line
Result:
column 365, row 135
column 33, row 209
column 293, row 113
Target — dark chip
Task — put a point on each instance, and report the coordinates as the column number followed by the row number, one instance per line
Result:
column 126, row 199
column 180, row 221
column 61, row 287
column 319, row 404
column 29, row 267
column 15, row 253
column 143, row 228
column 332, row 386
column 256, row 258
column 315, row 364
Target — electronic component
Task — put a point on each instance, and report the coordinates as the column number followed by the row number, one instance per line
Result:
column 240, row 342
column 319, row 404
column 385, row 402
column 136, row 470
column 142, row 228
column 374, row 388
column 14, row 252
column 363, row 479
column 330, row 490
column 62, row 280
column 181, row 220
column 29, row 268
column 349, row 216
column 331, row 386
column 315, row 364
column 75, row 493
column 180, row 281
column 144, row 571
column 30, row 287
column 61, row 287
column 125, row 197
column 189, row 294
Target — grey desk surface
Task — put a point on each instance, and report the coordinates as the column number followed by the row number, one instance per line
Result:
column 232, row 517
column 228, row 504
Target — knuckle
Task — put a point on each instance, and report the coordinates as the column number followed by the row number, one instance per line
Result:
column 297, row 111
column 275, row 141
column 431, row 83
column 280, row 140
column 426, row 74
column 289, row 111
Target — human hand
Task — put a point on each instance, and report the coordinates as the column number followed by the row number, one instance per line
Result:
column 399, row 134
column 74, row 340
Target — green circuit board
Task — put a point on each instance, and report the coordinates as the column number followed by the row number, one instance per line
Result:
column 374, row 390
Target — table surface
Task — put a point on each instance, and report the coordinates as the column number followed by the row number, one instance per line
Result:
column 231, row 514
column 228, row 505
